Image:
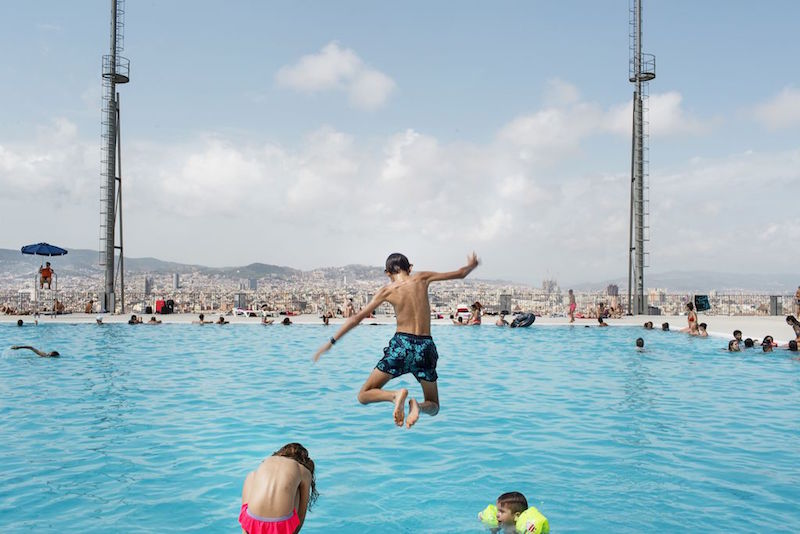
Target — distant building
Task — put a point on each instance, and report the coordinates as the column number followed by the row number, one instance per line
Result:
column 176, row 281
column 252, row 284
column 550, row 286
column 240, row 300
column 148, row 286
column 612, row 290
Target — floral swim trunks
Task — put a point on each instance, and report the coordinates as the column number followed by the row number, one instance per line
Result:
column 408, row 353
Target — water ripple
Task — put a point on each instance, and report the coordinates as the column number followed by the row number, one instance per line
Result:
column 152, row 429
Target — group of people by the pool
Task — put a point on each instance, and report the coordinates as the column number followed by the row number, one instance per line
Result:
column 767, row 343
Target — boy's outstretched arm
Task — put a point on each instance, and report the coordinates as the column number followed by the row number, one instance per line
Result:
column 352, row 322
column 432, row 276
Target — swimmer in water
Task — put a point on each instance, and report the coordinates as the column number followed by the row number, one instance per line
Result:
column 52, row 354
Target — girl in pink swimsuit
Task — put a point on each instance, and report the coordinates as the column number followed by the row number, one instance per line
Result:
column 276, row 496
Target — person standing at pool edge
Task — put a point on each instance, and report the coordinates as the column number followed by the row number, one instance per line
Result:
column 411, row 350
column 572, row 307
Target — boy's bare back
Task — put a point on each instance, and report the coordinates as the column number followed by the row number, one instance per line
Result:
column 409, row 298
column 278, row 487
column 408, row 294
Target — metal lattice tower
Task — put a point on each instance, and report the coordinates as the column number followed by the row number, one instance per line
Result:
column 116, row 70
column 642, row 69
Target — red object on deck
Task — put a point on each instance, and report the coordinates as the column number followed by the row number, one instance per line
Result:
column 160, row 306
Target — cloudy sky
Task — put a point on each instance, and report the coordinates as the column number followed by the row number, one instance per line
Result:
column 324, row 133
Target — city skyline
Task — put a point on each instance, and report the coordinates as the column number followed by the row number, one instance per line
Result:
column 329, row 136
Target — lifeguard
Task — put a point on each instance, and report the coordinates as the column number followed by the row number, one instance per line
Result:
column 46, row 273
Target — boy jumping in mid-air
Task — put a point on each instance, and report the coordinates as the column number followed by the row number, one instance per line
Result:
column 411, row 350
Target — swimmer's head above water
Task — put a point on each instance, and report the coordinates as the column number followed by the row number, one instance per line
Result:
column 509, row 506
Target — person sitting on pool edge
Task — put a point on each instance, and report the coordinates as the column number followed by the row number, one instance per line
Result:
column 277, row 495
column 476, row 311
column 512, row 515
column 792, row 321
column 411, row 349
column 51, row 354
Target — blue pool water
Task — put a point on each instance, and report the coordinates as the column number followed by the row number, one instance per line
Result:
column 153, row 429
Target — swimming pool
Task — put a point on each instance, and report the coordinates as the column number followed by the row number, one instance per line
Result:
column 153, row 429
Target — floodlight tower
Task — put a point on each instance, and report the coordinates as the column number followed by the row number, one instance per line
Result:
column 641, row 69
column 116, row 70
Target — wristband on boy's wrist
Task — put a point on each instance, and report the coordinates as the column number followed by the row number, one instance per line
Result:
column 333, row 340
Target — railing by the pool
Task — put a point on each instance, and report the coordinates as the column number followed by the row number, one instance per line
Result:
column 547, row 304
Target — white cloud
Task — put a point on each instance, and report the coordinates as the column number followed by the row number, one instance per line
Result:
column 523, row 199
column 782, row 111
column 559, row 129
column 337, row 68
column 560, row 93
column 666, row 117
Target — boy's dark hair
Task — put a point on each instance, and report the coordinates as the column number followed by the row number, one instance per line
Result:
column 704, row 326
column 299, row 454
column 19, row 322
column 397, row 262
column 640, row 342
column 737, row 332
column 600, row 320
column 749, row 343
column 690, row 306
column 514, row 501
column 665, row 326
column 793, row 345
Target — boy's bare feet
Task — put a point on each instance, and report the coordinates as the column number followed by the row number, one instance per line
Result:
column 413, row 413
column 400, row 406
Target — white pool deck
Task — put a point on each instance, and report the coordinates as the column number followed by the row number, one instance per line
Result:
column 721, row 326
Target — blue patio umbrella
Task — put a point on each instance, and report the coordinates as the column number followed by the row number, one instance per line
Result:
column 43, row 249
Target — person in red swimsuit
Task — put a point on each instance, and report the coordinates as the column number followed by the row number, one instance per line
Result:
column 46, row 275
column 692, row 319
column 276, row 496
